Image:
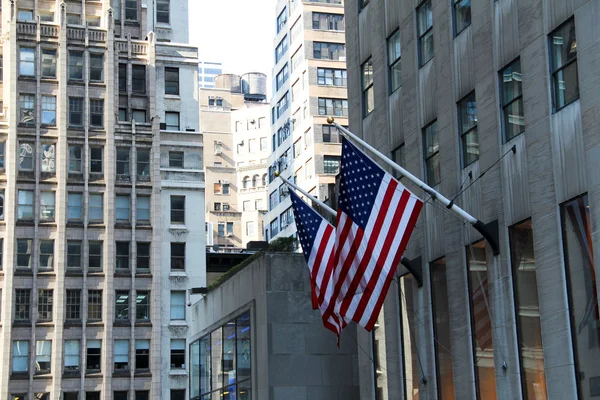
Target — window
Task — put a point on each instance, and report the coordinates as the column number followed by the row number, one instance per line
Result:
column 92, row 395
column 20, row 358
column 46, row 254
column 76, row 65
column 142, row 306
column 49, row 110
column 121, row 358
column 177, row 394
column 22, row 304
column 462, row 15
column 328, row 22
column 281, row 49
column 139, row 115
column 331, row 164
column 95, row 255
column 48, row 163
column 230, row 229
column 143, row 256
column 27, row 61
column 331, row 134
column 25, row 15
column 138, row 78
column 27, row 104
column 123, row 114
column 1, row 258
column 162, row 11
column 25, row 206
column 286, row 218
column 96, row 156
column 74, row 202
column 283, row 104
column 398, row 157
column 26, row 156
column 329, row 51
column 43, row 354
column 97, row 113
column 143, row 209
column 368, row 97
column 394, row 66
column 581, row 281
column 94, row 305
column 123, row 154
column 178, row 209
column 221, row 229
column 176, row 159
column 512, row 100
column 121, row 395
column 122, row 256
column 263, row 144
column 2, row 149
column 73, row 19
column 425, row 28
column 96, row 67
column 75, row 159
column 122, row 305
column 116, row 4
column 24, row 250
column 75, row 111
column 467, row 124
column 141, row 395
column 178, row 256
column 336, row 107
column 431, row 149
column 71, row 396
column 177, row 353
column 71, row 355
column 73, row 305
column 250, row 228
column 74, row 254
column 332, row 77
column 143, row 162
column 172, row 120
column 123, row 77
column 48, row 63
column 47, row 206
column 94, row 354
column 527, row 307
column 563, row 53
column 123, row 208
column 177, row 305
column 282, row 76
column 142, row 354
column 96, row 207
column 171, row 80
column 45, row 300
column 131, row 10
column 282, row 19
column 274, row 227
column 225, row 187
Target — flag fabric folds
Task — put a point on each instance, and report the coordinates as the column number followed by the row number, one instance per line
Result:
column 375, row 218
column 317, row 237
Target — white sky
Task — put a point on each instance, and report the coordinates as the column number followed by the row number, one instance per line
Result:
column 237, row 33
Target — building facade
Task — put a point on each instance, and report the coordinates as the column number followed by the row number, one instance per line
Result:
column 207, row 72
column 97, row 97
column 494, row 105
column 309, row 85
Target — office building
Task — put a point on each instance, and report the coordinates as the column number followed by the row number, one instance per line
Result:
column 207, row 72
column 494, row 104
column 102, row 165
column 309, row 85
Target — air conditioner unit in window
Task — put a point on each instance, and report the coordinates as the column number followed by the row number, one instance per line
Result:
column 163, row 126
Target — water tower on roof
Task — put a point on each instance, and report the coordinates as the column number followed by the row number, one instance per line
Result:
column 254, row 86
column 229, row 82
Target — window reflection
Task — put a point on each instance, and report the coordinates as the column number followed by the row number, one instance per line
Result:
column 411, row 360
column 528, row 311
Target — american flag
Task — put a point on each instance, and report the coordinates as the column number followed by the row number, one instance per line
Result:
column 317, row 237
column 376, row 216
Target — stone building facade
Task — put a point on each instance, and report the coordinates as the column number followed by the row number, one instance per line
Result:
column 453, row 90
column 102, row 176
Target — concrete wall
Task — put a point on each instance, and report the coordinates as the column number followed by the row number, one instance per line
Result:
column 293, row 356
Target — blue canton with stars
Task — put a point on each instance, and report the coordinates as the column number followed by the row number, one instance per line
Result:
column 360, row 179
column 307, row 223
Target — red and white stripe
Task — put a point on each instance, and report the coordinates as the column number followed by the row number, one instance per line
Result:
column 365, row 261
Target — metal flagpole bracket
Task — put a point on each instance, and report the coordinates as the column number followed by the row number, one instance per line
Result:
column 490, row 233
column 414, row 266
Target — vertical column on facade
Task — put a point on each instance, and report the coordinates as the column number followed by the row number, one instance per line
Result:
column 10, row 99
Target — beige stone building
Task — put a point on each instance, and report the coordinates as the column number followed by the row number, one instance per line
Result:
column 309, row 85
column 102, row 223
column 234, row 120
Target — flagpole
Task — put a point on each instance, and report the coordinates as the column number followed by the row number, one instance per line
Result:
column 304, row 192
column 489, row 232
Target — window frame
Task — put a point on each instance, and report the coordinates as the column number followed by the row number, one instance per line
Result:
column 177, row 256
column 455, row 27
column 426, row 157
column 422, row 35
column 73, row 304
column 48, row 54
column 368, row 91
column 505, row 105
column 76, row 64
column 95, row 307
column 170, row 83
column 470, row 97
column 554, row 72
column 94, row 68
column 45, row 304
column 393, row 63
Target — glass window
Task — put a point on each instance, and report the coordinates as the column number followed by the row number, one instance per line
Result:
column 462, row 15
column 329, row 51
column 74, row 254
column 73, row 305
column 73, row 19
column 74, row 202
column 97, row 112
column 96, row 207
column 172, row 121
column 20, row 358
column 27, row 61
column 394, row 67
column 25, row 206
column 96, row 157
column 24, row 251
column 432, row 154
column 142, row 306
column 336, row 107
column 143, row 162
column 467, row 123
column 122, row 305
column 22, row 304
column 43, row 355
column 143, row 256
column 138, row 78
column 177, row 394
column 45, row 301
column 123, row 161
column 75, row 157
column 46, row 254
column 331, row 164
column 122, row 254
column 328, row 22
column 95, row 255
column 142, row 354
column 512, row 100
column 121, row 357
column 143, row 209
column 425, row 28
column 94, row 305
column 582, row 289
column 176, row 159
column 162, row 11
column 25, row 15
column 178, row 209
column 26, row 156
column 123, row 205
column 368, row 99
column 116, row 4
column 123, row 77
column 282, row 19
column 48, row 163
column 72, row 355
column 332, row 77
column 96, row 67
column 281, row 49
column 49, row 110
column 76, row 65
column 171, row 80
column 48, row 63
column 47, row 206
column 177, row 305
column 75, row 111
column 177, row 353
column 139, row 116
column 131, row 10
column 94, row 355
column 177, row 256
column 2, row 149
column 282, row 76
column 27, row 107
column 563, row 54
column 123, row 114
column 528, row 310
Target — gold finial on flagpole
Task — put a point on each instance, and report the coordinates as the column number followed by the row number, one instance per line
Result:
column 330, row 120
column 276, row 173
